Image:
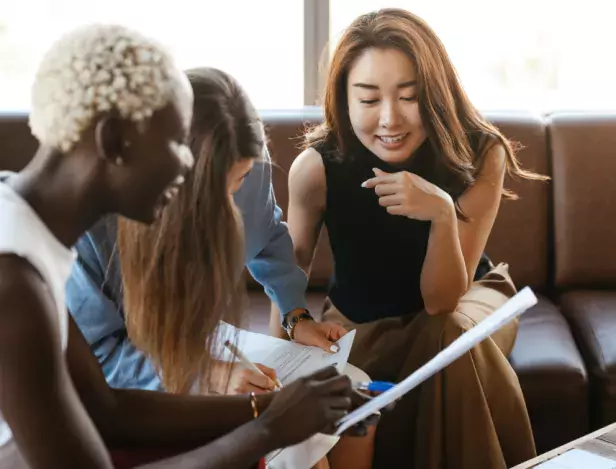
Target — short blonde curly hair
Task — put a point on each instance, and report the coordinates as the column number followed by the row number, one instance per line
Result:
column 95, row 69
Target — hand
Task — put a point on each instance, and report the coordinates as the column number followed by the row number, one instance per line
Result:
column 319, row 334
column 243, row 380
column 410, row 195
column 361, row 429
column 312, row 404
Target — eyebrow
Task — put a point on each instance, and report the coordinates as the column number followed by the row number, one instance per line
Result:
column 368, row 86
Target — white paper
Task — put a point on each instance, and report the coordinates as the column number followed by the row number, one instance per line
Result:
column 292, row 361
column 578, row 459
column 306, row 454
column 511, row 309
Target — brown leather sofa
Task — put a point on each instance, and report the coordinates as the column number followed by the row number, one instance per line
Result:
column 555, row 239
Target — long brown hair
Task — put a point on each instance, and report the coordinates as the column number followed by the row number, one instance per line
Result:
column 183, row 274
column 459, row 135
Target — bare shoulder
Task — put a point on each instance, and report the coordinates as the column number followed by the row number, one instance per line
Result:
column 307, row 177
column 494, row 163
column 28, row 309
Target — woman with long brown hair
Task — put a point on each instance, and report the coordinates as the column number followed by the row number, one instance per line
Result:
column 408, row 176
column 184, row 274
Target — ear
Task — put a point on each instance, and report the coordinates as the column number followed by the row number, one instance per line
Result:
column 108, row 137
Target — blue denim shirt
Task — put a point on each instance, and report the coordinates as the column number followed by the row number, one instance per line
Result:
column 94, row 290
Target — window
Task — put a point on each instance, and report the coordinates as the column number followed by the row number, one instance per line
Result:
column 259, row 43
column 539, row 55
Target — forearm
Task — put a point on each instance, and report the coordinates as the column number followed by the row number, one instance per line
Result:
column 146, row 419
column 444, row 278
column 241, row 448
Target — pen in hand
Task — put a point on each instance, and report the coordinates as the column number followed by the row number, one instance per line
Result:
column 247, row 363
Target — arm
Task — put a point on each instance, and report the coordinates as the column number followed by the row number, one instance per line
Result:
column 455, row 246
column 307, row 193
column 274, row 266
column 46, row 413
column 307, row 203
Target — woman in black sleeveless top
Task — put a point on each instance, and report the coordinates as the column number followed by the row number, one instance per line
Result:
column 407, row 177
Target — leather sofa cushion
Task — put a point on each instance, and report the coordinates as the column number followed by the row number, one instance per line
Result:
column 592, row 315
column 584, row 170
column 552, row 375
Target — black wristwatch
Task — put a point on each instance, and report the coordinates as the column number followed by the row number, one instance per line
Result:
column 290, row 321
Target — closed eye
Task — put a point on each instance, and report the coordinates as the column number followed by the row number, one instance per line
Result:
column 368, row 101
column 411, row 98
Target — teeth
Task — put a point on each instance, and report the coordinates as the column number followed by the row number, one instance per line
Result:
column 392, row 139
column 179, row 180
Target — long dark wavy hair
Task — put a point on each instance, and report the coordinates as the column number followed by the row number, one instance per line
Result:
column 459, row 135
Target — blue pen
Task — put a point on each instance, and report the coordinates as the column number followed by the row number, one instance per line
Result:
column 375, row 386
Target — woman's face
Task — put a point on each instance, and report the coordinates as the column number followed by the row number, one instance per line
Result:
column 238, row 173
column 383, row 107
column 157, row 160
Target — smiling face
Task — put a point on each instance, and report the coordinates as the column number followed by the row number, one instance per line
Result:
column 383, row 107
column 157, row 160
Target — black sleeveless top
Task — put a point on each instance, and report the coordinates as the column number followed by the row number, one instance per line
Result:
column 378, row 257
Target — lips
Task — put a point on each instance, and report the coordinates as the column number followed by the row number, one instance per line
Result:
column 392, row 141
column 392, row 138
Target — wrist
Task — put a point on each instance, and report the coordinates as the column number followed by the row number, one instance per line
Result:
column 292, row 318
column 264, row 422
column 264, row 435
column 446, row 213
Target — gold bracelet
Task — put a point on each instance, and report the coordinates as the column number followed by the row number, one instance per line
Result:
column 253, row 404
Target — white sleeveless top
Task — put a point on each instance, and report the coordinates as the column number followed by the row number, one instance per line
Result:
column 23, row 233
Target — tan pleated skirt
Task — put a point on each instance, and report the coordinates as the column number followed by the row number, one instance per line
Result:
column 472, row 415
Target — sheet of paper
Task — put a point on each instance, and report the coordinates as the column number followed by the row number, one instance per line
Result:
column 511, row 309
column 292, row 361
column 578, row 459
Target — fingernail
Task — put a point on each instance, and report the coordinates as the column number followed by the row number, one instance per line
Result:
column 364, row 184
column 334, row 348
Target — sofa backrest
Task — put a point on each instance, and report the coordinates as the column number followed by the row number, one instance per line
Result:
column 522, row 232
column 584, row 168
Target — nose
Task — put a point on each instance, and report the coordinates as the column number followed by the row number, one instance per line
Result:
column 390, row 114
